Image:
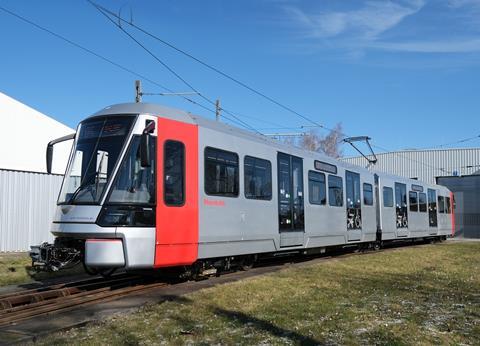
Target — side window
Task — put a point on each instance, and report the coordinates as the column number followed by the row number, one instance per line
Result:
column 221, row 173
column 174, row 173
column 412, row 196
column 367, row 194
column 317, row 192
column 335, row 191
column 441, row 204
column 135, row 184
column 422, row 200
column 448, row 205
column 258, row 178
column 387, row 197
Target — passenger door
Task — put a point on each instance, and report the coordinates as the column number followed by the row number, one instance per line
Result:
column 354, row 206
column 401, row 208
column 432, row 211
column 291, row 215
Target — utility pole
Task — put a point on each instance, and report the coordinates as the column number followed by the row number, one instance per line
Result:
column 138, row 91
column 217, row 110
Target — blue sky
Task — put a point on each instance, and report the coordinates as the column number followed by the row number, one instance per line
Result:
column 404, row 72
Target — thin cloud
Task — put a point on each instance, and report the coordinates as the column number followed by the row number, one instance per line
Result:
column 357, row 30
column 464, row 46
column 366, row 23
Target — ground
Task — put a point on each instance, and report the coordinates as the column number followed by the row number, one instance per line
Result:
column 427, row 294
column 15, row 269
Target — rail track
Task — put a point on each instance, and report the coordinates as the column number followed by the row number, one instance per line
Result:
column 23, row 305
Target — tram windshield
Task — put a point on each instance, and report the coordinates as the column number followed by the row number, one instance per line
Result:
column 97, row 149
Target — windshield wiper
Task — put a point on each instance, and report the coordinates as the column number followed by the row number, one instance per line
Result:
column 81, row 187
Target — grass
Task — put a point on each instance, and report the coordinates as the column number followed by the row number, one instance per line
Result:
column 415, row 295
column 15, row 268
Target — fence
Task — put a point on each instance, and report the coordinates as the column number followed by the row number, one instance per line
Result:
column 27, row 205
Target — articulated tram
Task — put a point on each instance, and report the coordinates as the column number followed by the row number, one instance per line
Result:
column 149, row 187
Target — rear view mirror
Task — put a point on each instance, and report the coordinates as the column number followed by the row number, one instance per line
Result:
column 50, row 149
column 145, row 154
column 145, row 150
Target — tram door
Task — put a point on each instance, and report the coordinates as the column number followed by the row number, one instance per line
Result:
column 432, row 210
column 354, row 206
column 291, row 215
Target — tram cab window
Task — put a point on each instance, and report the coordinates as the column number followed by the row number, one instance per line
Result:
column 135, row 184
column 367, row 194
column 174, row 173
column 448, row 205
column 441, row 204
column 317, row 193
column 335, row 191
column 422, row 202
column 387, row 197
column 258, row 178
column 412, row 196
column 221, row 173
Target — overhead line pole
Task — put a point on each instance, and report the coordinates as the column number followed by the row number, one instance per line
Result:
column 217, row 110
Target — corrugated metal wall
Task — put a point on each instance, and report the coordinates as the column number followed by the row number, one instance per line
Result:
column 467, row 204
column 425, row 165
column 27, row 204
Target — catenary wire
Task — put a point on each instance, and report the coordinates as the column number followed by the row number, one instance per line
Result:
column 224, row 74
column 165, row 88
column 105, row 59
column 165, row 65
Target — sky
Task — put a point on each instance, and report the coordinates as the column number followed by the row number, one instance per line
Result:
column 404, row 72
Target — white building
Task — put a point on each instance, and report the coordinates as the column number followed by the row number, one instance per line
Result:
column 24, row 135
column 27, row 194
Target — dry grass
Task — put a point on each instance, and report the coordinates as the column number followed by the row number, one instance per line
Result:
column 416, row 295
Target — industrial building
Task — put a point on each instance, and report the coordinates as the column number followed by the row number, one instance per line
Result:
column 425, row 165
column 27, row 194
column 457, row 169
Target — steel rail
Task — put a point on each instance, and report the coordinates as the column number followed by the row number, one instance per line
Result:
column 69, row 302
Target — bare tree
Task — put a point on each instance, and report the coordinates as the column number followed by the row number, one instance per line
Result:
column 329, row 144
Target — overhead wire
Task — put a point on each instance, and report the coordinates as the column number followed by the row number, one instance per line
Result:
column 165, row 65
column 456, row 142
column 209, row 66
column 91, row 52
column 234, row 120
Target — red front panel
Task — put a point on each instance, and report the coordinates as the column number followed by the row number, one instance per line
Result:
column 177, row 227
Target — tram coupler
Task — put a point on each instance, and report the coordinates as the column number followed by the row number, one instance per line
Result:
column 54, row 257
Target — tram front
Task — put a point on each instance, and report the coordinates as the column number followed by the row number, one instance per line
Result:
column 105, row 215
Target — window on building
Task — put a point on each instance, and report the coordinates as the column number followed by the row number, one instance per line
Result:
column 221, row 173
column 258, row 178
column 387, row 197
column 441, row 204
column 174, row 173
column 335, row 191
column 448, row 205
column 317, row 192
column 367, row 194
column 422, row 202
column 413, row 198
